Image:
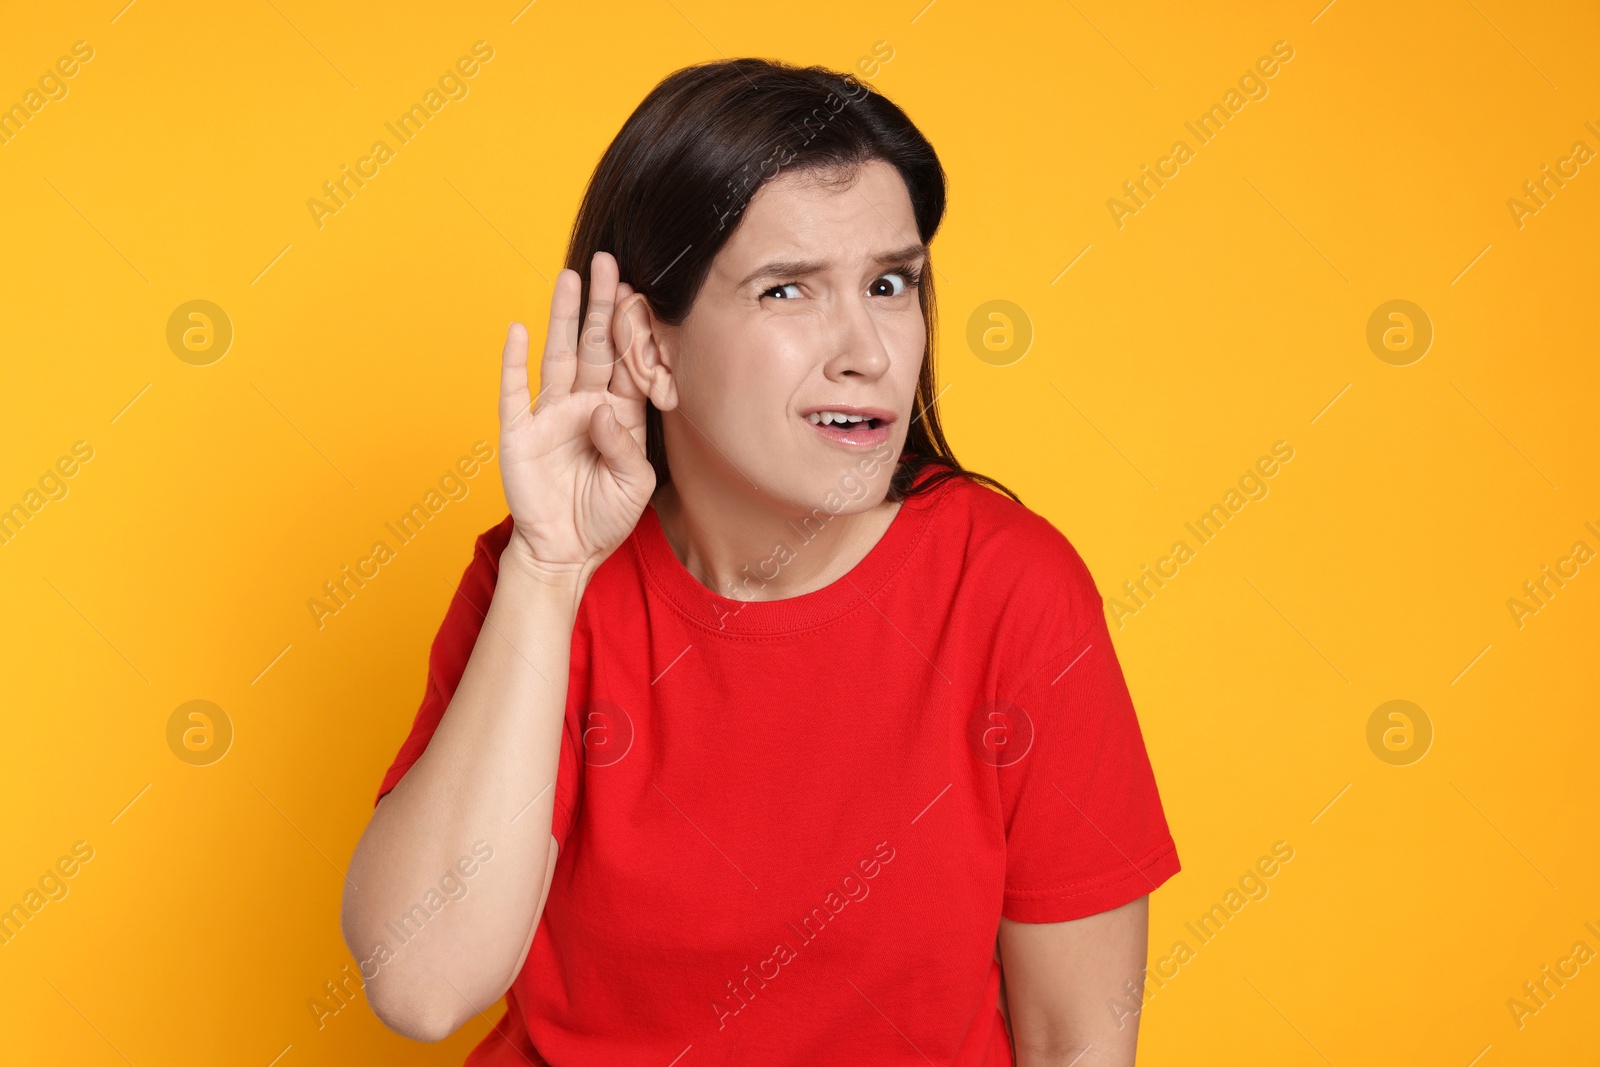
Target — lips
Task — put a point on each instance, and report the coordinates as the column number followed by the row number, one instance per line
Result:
column 870, row 429
column 880, row 414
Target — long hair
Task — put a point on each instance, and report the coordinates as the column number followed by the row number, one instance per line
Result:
column 670, row 189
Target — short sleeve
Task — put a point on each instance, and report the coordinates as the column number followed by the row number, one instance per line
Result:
column 447, row 661
column 1085, row 830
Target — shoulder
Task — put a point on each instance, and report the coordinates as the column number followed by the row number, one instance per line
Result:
column 1020, row 558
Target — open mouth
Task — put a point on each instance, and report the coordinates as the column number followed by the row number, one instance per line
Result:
column 850, row 428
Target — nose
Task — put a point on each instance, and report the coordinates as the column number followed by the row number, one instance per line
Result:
column 856, row 343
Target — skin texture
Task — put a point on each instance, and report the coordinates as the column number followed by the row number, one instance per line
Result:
column 731, row 381
column 1061, row 980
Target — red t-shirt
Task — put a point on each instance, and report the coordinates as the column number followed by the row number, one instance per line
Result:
column 789, row 829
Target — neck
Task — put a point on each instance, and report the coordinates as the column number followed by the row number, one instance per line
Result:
column 746, row 547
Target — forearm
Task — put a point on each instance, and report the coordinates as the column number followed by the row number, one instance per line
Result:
column 493, row 759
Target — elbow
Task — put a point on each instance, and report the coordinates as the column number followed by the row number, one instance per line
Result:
column 418, row 1017
column 404, row 1002
column 414, row 1023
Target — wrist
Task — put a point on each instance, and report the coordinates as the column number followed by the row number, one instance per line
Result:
column 563, row 579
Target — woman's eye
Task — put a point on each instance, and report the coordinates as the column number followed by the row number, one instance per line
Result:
column 906, row 281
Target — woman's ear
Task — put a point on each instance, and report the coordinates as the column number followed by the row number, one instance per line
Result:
column 646, row 361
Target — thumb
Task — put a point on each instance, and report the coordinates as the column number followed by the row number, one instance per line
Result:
column 617, row 446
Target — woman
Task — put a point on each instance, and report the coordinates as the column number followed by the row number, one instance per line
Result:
column 759, row 731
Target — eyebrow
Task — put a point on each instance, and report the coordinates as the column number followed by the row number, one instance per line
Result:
column 800, row 268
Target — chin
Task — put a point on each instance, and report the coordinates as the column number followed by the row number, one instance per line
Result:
column 845, row 489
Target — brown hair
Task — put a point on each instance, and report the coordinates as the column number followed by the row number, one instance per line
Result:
column 669, row 190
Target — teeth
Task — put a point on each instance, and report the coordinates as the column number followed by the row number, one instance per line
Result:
column 826, row 418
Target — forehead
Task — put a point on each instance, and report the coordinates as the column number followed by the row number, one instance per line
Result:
column 815, row 216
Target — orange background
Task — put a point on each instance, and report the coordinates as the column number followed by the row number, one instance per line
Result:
column 1229, row 313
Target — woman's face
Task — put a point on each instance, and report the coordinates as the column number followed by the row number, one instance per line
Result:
column 811, row 306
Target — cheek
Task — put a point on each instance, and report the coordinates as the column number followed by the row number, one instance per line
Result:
column 736, row 384
column 908, row 358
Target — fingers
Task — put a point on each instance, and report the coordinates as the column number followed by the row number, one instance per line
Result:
column 581, row 360
column 595, row 354
column 560, row 362
column 622, row 383
column 514, row 397
column 621, row 452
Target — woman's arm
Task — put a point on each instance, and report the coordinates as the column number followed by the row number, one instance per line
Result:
column 496, row 749
column 1067, row 987
column 577, row 479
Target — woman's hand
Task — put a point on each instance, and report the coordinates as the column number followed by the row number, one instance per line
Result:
column 575, row 472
